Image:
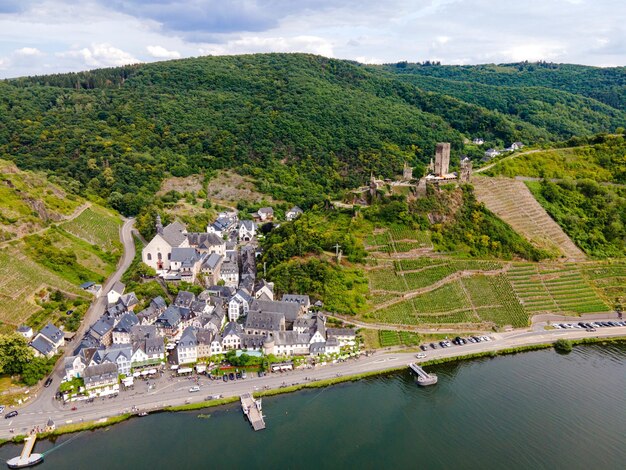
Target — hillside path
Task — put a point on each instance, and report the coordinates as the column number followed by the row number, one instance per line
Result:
column 79, row 210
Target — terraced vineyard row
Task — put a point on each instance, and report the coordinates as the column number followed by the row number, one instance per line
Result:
column 477, row 299
column 559, row 289
column 19, row 278
column 609, row 279
column 96, row 226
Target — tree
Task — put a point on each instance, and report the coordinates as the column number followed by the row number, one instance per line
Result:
column 14, row 354
column 35, row 370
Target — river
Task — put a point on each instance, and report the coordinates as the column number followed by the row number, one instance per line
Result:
column 528, row 411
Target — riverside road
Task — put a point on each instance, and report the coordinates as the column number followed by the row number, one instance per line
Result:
column 175, row 391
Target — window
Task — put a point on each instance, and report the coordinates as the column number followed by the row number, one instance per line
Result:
column 159, row 256
column 169, row 256
column 149, row 257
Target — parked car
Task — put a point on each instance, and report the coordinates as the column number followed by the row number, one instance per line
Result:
column 48, row 382
column 231, row 376
column 423, row 347
column 10, row 414
column 433, row 345
column 238, row 375
column 243, row 374
column 1, row 408
column 225, row 378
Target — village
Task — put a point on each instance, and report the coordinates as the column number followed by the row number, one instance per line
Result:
column 236, row 313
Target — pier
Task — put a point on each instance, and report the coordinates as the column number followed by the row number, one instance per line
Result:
column 252, row 409
column 423, row 378
column 26, row 458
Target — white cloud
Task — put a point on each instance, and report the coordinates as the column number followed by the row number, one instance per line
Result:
column 99, row 33
column 251, row 44
column 100, row 55
column 28, row 51
column 533, row 52
column 159, row 52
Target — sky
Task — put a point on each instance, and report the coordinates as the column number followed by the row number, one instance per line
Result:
column 47, row 36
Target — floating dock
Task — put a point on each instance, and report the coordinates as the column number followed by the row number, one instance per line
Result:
column 252, row 409
column 26, row 458
column 423, row 378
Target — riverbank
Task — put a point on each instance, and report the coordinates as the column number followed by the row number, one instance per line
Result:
column 106, row 422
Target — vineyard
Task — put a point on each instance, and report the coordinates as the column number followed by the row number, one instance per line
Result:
column 477, row 299
column 398, row 239
column 609, row 279
column 559, row 289
column 389, row 338
column 20, row 278
column 98, row 227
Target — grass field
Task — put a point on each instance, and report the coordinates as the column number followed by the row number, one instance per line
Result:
column 389, row 338
column 97, row 226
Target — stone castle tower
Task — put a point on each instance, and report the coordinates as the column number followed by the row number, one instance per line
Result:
column 442, row 158
column 407, row 172
column 466, row 170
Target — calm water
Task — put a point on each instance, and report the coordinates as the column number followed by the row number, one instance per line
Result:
column 530, row 411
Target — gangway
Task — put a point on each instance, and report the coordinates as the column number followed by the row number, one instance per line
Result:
column 423, row 378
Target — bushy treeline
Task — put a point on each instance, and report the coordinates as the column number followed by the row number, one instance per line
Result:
column 304, row 126
column 593, row 215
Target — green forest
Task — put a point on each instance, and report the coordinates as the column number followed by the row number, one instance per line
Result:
column 304, row 126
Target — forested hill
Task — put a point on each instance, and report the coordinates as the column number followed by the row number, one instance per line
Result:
column 604, row 84
column 304, row 125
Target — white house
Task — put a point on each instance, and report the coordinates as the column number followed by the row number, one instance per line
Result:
column 239, row 305
column 25, row 331
column 264, row 290
column 491, row 153
column 478, row 141
column 231, row 338
column 293, row 213
column 229, row 273
column 158, row 252
column 223, row 225
column 265, row 214
column 48, row 341
column 74, row 367
column 187, row 348
column 207, row 243
column 247, row 230
column 101, row 380
column 344, row 336
column 115, row 293
column 186, row 263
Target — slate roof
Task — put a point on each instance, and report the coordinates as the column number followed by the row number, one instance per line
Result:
column 128, row 300
column 170, row 318
column 266, row 210
column 212, row 261
column 301, row 299
column 118, row 287
column 173, row 234
column 198, row 306
column 221, row 291
column 340, row 332
column 184, row 299
column 100, row 372
column 269, row 321
column 290, row 338
column 248, row 225
column 102, row 326
column 188, row 338
column 204, row 240
column 143, row 331
column 127, row 321
column 158, row 303
column 42, row 345
column 204, row 336
column 52, row 333
column 187, row 257
column 252, row 341
column 233, row 328
column 291, row 310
